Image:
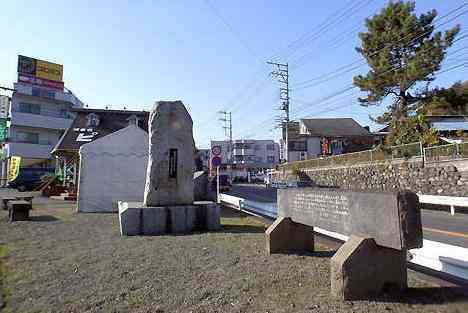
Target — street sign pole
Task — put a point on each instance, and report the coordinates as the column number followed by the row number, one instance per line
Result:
column 217, row 184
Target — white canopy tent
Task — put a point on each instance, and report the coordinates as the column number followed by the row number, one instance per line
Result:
column 113, row 168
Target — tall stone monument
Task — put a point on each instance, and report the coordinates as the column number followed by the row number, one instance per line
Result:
column 169, row 178
column 168, row 204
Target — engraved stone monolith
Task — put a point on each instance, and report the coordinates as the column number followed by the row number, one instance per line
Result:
column 168, row 203
column 169, row 177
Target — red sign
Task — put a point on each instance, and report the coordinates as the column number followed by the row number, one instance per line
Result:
column 29, row 79
column 216, row 150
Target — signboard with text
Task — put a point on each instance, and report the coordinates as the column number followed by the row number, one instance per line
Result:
column 4, row 106
column 3, row 129
column 13, row 171
column 40, row 72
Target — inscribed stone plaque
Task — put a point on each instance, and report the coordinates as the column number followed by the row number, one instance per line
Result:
column 392, row 219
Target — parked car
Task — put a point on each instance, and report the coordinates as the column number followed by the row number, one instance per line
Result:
column 224, row 183
column 29, row 178
column 257, row 178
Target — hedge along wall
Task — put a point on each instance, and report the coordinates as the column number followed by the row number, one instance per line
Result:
column 441, row 179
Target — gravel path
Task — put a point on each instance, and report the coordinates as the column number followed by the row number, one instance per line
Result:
column 67, row 262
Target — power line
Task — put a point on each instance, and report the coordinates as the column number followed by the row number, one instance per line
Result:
column 362, row 61
column 321, row 26
column 232, row 30
column 328, row 24
column 335, row 94
column 464, row 64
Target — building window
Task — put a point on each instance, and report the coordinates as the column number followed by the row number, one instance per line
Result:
column 27, row 137
column 297, row 146
column 92, row 120
column 133, row 120
column 64, row 113
column 257, row 147
column 240, row 145
column 271, row 159
column 37, row 92
column 239, row 158
column 32, row 108
column 271, row 147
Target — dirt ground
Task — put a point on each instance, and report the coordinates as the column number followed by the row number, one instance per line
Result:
column 67, row 262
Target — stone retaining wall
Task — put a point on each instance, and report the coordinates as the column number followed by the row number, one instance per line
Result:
column 436, row 179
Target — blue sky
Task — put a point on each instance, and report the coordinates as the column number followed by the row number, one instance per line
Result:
column 211, row 55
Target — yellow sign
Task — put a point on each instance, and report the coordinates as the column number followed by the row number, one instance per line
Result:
column 48, row 70
column 13, row 171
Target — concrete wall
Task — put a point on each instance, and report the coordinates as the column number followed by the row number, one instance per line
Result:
column 433, row 179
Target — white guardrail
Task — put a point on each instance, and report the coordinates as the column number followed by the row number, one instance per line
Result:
column 435, row 255
column 445, row 200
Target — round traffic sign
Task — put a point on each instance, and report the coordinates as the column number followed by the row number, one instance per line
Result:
column 216, row 150
column 216, row 161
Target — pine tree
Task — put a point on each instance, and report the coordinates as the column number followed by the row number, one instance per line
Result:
column 401, row 50
column 447, row 101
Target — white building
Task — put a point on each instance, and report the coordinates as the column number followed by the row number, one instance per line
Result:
column 38, row 118
column 315, row 137
column 248, row 155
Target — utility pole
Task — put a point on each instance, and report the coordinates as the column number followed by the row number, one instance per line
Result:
column 281, row 72
column 227, row 126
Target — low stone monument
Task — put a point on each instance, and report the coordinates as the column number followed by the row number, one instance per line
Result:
column 168, row 205
column 381, row 226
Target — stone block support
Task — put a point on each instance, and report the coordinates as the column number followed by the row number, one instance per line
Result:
column 284, row 235
column 138, row 219
column 361, row 269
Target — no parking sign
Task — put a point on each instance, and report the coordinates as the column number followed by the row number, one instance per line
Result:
column 216, row 150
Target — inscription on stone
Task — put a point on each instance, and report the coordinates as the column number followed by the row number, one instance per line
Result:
column 392, row 219
column 173, row 163
column 328, row 208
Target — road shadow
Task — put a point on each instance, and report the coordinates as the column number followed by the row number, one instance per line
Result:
column 43, row 218
column 324, row 253
column 317, row 254
column 427, row 295
column 231, row 228
column 232, row 213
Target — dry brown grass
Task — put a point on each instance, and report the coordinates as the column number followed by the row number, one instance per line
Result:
column 67, row 262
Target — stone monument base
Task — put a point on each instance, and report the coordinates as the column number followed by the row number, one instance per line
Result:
column 138, row 219
column 286, row 236
column 361, row 269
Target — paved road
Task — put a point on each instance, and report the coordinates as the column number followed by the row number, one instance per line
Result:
column 437, row 225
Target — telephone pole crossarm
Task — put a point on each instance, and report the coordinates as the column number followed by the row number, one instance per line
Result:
column 281, row 73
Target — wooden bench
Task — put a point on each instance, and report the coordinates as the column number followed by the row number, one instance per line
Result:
column 18, row 210
column 25, row 198
column 5, row 201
